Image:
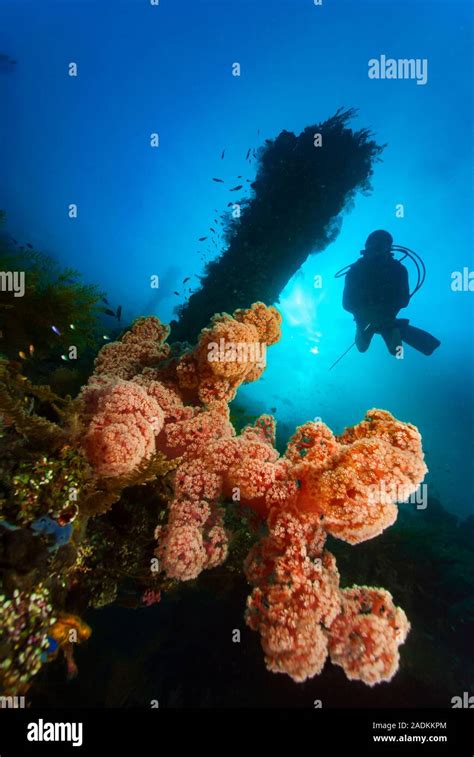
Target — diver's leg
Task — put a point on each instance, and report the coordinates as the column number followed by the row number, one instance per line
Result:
column 392, row 338
column 364, row 336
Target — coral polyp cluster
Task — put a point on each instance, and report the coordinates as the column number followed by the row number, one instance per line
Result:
column 122, row 432
column 303, row 615
column 321, row 485
column 365, row 636
column 296, row 595
column 145, row 468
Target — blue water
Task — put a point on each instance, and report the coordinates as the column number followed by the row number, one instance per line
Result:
column 168, row 69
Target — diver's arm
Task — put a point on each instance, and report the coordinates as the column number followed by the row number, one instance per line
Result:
column 351, row 298
column 404, row 288
column 398, row 294
column 347, row 303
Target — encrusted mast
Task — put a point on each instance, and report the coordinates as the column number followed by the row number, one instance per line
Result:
column 303, row 184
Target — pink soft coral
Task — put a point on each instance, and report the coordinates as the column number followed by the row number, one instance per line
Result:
column 141, row 401
column 296, row 594
column 122, row 431
column 365, row 636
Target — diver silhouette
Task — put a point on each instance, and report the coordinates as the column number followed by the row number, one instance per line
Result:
column 376, row 289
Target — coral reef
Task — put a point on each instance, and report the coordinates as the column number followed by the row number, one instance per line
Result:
column 142, row 483
column 322, row 484
column 27, row 619
column 56, row 311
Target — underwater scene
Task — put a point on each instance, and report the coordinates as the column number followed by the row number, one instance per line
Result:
column 236, row 354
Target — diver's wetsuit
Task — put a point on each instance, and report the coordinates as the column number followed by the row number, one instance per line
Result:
column 376, row 289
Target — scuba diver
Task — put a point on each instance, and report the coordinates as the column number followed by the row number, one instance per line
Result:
column 376, row 289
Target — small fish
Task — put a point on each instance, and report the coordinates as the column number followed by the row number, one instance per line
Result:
column 6, row 58
column 248, row 153
column 32, row 349
column 239, row 177
column 229, row 204
column 107, row 311
column 273, row 409
column 254, row 154
column 105, row 300
column 247, row 180
column 53, row 644
column 220, row 180
column 258, row 132
column 176, row 293
column 50, row 650
column 56, row 330
column 268, row 141
column 211, row 229
column 223, row 153
column 202, row 239
column 253, row 184
column 29, row 245
column 234, row 189
column 119, row 312
column 186, row 279
column 22, row 355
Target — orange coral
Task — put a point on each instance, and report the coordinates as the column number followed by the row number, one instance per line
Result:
column 352, row 481
column 67, row 631
column 122, row 431
column 140, row 402
column 303, row 616
column 194, row 538
column 296, row 595
column 181, row 551
column 365, row 636
column 231, row 351
column 141, row 346
column 69, row 628
column 191, row 435
column 267, row 321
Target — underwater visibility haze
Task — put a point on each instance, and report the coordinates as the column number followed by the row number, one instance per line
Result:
column 225, row 454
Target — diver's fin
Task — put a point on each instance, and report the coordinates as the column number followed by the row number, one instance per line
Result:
column 417, row 338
